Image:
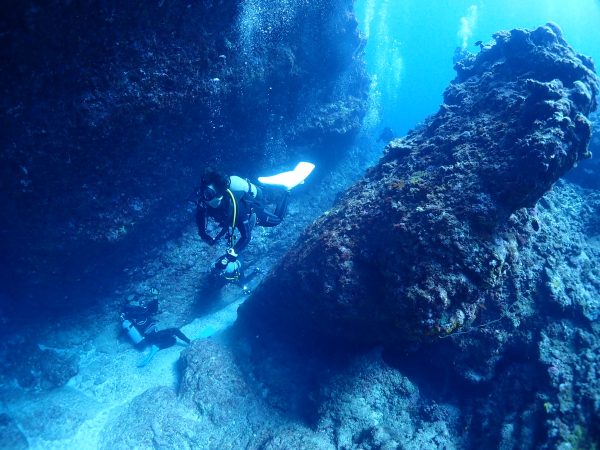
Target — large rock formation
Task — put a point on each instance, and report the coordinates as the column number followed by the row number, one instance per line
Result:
column 110, row 110
column 415, row 249
column 534, row 349
column 459, row 247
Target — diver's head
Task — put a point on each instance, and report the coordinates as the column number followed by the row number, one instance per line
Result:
column 211, row 197
column 213, row 187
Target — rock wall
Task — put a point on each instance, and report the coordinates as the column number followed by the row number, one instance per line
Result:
column 462, row 255
column 532, row 351
column 111, row 110
column 414, row 250
column 271, row 390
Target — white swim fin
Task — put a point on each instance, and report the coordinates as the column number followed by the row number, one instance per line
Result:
column 153, row 351
column 292, row 178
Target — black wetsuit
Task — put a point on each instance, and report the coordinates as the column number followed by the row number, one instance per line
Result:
column 249, row 211
column 141, row 318
column 165, row 338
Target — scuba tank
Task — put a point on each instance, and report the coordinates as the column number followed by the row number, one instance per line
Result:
column 132, row 331
column 137, row 319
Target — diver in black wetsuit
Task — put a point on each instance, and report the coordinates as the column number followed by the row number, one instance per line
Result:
column 235, row 203
column 140, row 325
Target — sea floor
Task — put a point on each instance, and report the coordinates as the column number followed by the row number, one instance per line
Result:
column 74, row 415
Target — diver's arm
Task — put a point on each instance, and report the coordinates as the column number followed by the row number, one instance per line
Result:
column 201, row 223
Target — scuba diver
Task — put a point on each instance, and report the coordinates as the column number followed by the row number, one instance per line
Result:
column 235, row 203
column 386, row 135
column 141, row 327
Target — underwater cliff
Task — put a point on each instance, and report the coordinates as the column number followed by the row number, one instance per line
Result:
column 111, row 110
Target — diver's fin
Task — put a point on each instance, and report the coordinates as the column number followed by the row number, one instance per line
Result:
column 153, row 351
column 292, row 178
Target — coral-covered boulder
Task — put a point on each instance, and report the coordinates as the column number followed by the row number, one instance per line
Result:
column 371, row 405
column 412, row 250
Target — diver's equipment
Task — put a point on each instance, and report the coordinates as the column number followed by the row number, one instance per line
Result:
column 209, row 193
column 231, row 254
column 240, row 184
column 137, row 319
column 231, row 240
column 228, row 266
column 140, row 310
column 291, row 178
column 232, row 271
column 211, row 197
column 215, row 202
column 229, row 257
column 251, row 280
column 132, row 331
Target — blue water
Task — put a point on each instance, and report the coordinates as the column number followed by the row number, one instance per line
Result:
column 411, row 44
column 409, row 55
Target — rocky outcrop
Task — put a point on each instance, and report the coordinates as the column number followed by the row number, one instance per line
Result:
column 569, row 351
column 371, row 405
column 416, row 250
column 152, row 420
column 217, row 407
column 111, row 110
column 463, row 256
column 367, row 404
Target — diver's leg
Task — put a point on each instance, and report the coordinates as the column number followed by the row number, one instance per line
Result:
column 282, row 205
column 267, row 219
column 153, row 351
column 166, row 338
column 162, row 339
column 178, row 333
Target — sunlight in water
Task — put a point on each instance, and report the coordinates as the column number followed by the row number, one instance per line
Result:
column 262, row 21
column 411, row 43
column 467, row 24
